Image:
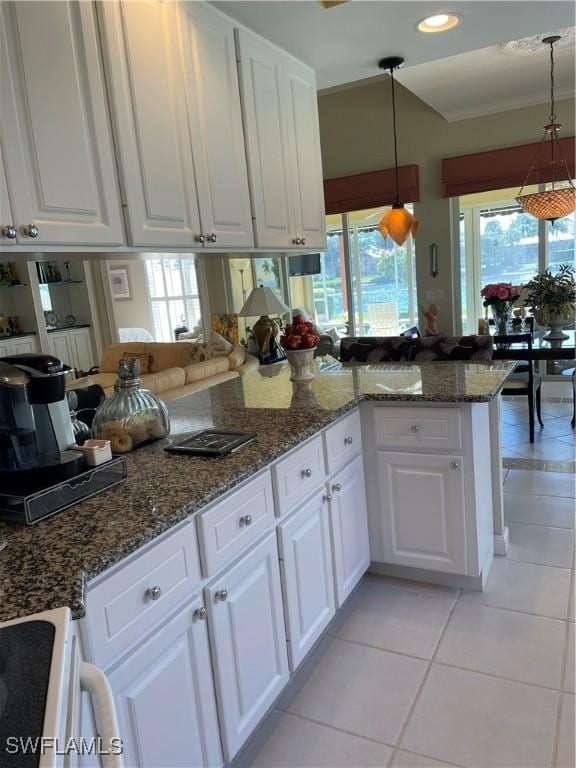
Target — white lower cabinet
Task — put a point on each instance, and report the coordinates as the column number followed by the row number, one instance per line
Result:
column 349, row 528
column 307, row 576
column 18, row 346
column 165, row 697
column 248, row 641
column 73, row 347
column 423, row 512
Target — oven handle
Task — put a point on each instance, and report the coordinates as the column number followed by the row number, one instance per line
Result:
column 95, row 682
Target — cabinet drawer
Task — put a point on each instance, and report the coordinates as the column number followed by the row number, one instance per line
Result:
column 428, row 428
column 234, row 523
column 343, row 441
column 127, row 604
column 298, row 475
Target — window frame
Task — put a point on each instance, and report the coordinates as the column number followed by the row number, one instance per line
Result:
column 166, row 298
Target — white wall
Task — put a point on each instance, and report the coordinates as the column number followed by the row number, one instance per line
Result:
column 134, row 312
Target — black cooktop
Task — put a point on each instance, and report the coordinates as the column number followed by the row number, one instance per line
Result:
column 25, row 659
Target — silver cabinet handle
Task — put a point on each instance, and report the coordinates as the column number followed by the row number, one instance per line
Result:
column 221, row 595
column 297, row 241
column 307, row 472
column 326, row 498
column 245, row 521
column 31, row 230
column 337, row 487
column 454, row 464
column 200, row 614
column 199, row 238
column 212, row 238
column 10, row 232
column 348, row 440
column 153, row 593
column 303, row 240
column 414, row 428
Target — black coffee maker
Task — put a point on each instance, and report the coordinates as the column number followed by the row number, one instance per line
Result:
column 35, row 425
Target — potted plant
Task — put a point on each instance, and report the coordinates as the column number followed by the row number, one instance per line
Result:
column 500, row 297
column 551, row 299
column 299, row 339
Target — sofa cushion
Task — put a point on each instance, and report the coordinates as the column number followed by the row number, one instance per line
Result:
column 163, row 380
column 205, row 369
column 113, row 353
column 175, row 354
column 237, row 357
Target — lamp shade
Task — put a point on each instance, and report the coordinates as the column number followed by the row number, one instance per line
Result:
column 263, row 301
column 398, row 223
column 550, row 205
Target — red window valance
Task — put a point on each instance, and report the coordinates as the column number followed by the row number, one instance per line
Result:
column 502, row 168
column 371, row 190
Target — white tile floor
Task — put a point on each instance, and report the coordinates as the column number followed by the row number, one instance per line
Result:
column 413, row 676
column 555, row 441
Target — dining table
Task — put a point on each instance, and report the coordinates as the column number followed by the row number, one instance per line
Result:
column 542, row 348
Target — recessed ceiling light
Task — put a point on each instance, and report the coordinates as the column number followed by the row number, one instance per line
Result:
column 439, row 23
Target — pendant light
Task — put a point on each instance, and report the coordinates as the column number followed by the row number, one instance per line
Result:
column 553, row 203
column 396, row 223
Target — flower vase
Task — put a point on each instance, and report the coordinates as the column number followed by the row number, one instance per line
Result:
column 300, row 361
column 556, row 322
column 502, row 314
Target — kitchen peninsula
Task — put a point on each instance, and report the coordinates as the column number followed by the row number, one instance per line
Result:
column 267, row 543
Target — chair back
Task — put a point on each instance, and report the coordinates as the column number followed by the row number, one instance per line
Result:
column 504, row 340
column 383, row 318
column 412, row 333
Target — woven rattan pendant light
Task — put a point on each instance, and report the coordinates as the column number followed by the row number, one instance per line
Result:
column 556, row 202
column 398, row 222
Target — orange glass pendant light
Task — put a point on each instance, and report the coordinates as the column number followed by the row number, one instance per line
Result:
column 557, row 202
column 398, row 222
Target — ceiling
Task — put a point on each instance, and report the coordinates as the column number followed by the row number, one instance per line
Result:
column 460, row 73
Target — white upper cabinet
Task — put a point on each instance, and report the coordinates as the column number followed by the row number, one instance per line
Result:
column 212, row 91
column 56, row 136
column 8, row 231
column 149, row 114
column 283, row 146
column 263, row 89
column 306, row 161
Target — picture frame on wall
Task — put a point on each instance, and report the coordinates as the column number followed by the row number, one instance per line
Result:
column 119, row 282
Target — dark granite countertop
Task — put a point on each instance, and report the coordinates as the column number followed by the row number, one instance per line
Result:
column 48, row 565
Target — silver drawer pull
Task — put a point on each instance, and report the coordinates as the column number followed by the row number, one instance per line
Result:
column 348, row 440
column 153, row 593
column 307, row 472
column 10, row 232
column 31, row 230
column 221, row 595
column 454, row 464
column 326, row 498
column 337, row 487
column 246, row 521
column 414, row 428
column 200, row 614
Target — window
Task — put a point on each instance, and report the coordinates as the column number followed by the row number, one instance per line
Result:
column 174, row 298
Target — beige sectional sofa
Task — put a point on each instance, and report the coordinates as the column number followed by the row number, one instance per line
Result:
column 172, row 369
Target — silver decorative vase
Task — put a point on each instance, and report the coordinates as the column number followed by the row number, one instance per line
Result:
column 556, row 322
column 300, row 361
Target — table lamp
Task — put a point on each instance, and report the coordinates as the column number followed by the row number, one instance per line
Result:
column 264, row 302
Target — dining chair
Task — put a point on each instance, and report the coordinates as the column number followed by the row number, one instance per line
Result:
column 524, row 381
column 572, row 373
column 412, row 333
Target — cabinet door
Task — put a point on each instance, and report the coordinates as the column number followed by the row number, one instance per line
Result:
column 81, row 348
column 307, row 577
column 349, row 518
column 25, row 345
column 248, row 642
column 6, row 218
column 422, row 510
column 305, row 162
column 165, row 698
column 5, row 349
column 263, row 88
column 150, row 121
column 213, row 99
column 60, row 343
column 55, row 129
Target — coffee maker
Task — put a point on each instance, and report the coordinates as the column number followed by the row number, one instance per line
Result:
column 35, row 425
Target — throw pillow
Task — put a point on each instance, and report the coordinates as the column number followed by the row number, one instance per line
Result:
column 219, row 343
column 144, row 358
column 237, row 357
column 197, row 353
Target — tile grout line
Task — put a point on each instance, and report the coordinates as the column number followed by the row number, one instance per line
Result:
column 423, row 681
column 371, row 739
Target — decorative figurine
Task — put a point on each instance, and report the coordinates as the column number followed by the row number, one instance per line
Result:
column 431, row 315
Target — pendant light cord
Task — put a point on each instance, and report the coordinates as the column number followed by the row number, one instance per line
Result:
column 552, row 101
column 395, row 137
